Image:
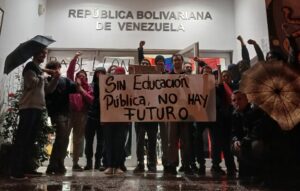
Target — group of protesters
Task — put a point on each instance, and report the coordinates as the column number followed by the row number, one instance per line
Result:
column 74, row 105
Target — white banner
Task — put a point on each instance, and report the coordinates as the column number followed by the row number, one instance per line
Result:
column 157, row 97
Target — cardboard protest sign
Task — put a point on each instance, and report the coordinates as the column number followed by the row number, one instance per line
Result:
column 156, row 97
column 145, row 69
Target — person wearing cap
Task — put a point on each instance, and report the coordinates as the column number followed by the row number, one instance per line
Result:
column 94, row 127
column 79, row 103
column 119, row 71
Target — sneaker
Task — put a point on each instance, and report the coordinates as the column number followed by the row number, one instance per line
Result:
column 101, row 168
column 61, row 170
column 76, row 167
column 194, row 168
column 188, row 170
column 118, row 171
column 139, row 168
column 181, row 169
column 123, row 167
column 173, row 170
column 89, row 164
column 231, row 172
column 152, row 169
column 108, row 171
column 202, row 170
column 166, row 169
column 97, row 164
column 88, row 167
column 217, row 171
column 51, row 170
column 170, row 170
column 33, row 173
column 18, row 177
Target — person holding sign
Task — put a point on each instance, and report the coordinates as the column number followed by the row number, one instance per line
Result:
column 151, row 128
column 94, row 126
column 178, row 131
column 188, row 70
column 141, row 129
column 114, row 141
column 214, row 131
column 160, row 64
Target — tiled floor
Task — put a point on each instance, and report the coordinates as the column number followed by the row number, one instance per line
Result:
column 95, row 181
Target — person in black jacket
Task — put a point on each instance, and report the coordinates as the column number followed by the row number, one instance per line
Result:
column 94, row 126
column 141, row 128
column 58, row 109
column 221, row 135
column 177, row 131
column 141, row 51
column 250, row 131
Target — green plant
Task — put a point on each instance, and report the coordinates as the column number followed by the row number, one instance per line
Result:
column 10, row 124
column 10, row 119
column 42, row 139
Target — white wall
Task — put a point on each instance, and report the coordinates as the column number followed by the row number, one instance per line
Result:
column 81, row 32
column 21, row 22
column 230, row 18
column 251, row 22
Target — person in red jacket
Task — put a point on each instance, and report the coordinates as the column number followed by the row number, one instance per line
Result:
column 79, row 103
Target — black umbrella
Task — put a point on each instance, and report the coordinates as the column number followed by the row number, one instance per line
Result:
column 25, row 51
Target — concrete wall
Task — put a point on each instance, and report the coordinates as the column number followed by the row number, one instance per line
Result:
column 251, row 22
column 21, row 22
column 212, row 34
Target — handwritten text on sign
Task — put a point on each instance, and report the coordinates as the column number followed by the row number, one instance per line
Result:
column 156, row 97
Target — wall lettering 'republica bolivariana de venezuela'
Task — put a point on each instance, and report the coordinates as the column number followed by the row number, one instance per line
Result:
column 129, row 20
column 156, row 97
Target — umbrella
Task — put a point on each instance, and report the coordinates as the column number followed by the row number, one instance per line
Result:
column 274, row 87
column 25, row 51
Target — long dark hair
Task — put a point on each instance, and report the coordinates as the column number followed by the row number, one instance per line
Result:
column 82, row 72
column 95, row 84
